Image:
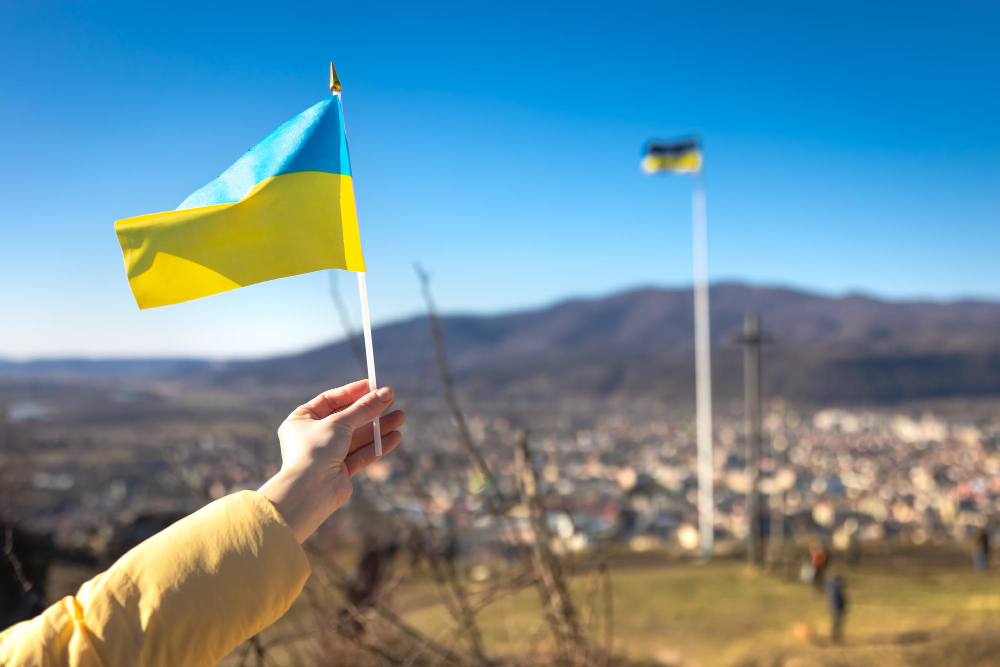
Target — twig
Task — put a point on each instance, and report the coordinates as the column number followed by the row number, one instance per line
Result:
column 491, row 596
column 587, row 613
column 440, row 577
column 609, row 616
column 552, row 584
column 465, row 436
column 15, row 562
column 325, row 615
column 383, row 611
column 352, row 335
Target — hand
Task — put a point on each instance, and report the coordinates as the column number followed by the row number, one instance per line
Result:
column 322, row 447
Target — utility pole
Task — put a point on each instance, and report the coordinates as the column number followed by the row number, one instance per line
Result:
column 751, row 400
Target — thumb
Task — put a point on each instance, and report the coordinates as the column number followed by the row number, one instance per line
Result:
column 366, row 408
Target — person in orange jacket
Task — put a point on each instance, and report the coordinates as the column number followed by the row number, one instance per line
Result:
column 193, row 592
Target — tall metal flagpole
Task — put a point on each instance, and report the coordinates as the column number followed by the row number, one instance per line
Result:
column 703, row 369
column 366, row 320
column 752, row 340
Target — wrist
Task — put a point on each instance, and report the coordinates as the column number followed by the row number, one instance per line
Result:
column 304, row 497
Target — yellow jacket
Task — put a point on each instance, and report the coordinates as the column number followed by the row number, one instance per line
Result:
column 186, row 596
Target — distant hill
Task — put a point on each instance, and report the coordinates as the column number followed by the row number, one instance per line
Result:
column 98, row 368
column 849, row 349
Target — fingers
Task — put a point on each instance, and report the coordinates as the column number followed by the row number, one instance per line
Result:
column 365, row 456
column 332, row 400
column 365, row 435
column 363, row 409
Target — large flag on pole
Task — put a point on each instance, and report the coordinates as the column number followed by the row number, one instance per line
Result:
column 285, row 208
column 682, row 156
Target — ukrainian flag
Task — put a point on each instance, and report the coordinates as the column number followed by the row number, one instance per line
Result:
column 285, row 208
column 678, row 156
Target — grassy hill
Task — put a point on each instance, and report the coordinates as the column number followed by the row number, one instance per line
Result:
column 922, row 607
column 919, row 608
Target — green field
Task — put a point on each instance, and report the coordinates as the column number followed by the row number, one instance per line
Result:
column 925, row 608
column 907, row 608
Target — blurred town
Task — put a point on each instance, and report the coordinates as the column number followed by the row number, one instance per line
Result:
column 100, row 470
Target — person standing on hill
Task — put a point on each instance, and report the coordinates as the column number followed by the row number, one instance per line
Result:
column 193, row 592
column 836, row 600
column 981, row 551
column 818, row 558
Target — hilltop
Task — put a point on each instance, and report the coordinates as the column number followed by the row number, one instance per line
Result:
column 841, row 349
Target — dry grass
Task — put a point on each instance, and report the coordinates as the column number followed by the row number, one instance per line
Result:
column 904, row 609
column 923, row 608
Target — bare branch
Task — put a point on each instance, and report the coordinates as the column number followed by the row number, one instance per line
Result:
column 376, row 605
column 563, row 617
column 15, row 563
column 609, row 617
column 351, row 335
column 465, row 436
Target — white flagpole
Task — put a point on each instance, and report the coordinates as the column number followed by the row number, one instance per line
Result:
column 703, row 369
column 366, row 320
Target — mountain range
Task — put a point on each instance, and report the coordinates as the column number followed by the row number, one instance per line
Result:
column 848, row 349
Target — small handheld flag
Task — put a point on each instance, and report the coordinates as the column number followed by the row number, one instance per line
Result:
column 677, row 156
column 286, row 207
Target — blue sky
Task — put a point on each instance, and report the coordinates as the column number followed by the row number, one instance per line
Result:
column 849, row 146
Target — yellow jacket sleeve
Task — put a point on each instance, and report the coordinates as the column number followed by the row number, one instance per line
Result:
column 186, row 596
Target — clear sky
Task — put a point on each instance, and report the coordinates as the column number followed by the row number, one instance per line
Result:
column 849, row 146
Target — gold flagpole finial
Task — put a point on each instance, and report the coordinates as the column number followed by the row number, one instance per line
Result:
column 334, row 79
